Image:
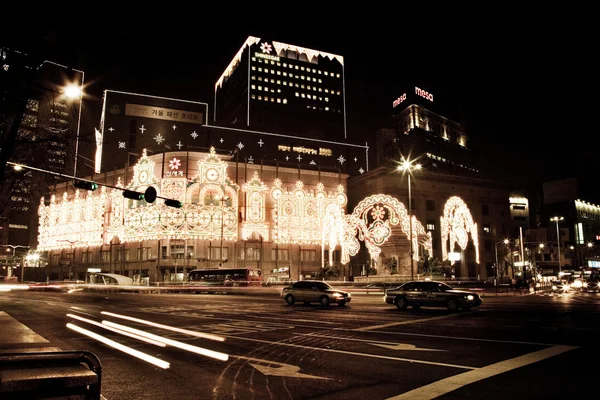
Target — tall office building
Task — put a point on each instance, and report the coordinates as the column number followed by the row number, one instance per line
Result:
column 283, row 88
column 34, row 97
column 419, row 129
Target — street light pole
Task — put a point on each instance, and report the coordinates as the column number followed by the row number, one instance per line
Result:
column 412, row 269
column 14, row 247
column 556, row 219
column 505, row 241
column 407, row 166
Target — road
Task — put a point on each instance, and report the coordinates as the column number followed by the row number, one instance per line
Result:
column 519, row 347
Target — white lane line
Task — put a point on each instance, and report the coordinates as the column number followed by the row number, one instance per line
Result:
column 452, row 383
column 381, row 357
column 412, row 321
column 466, row 338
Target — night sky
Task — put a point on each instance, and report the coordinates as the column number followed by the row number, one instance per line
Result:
column 523, row 84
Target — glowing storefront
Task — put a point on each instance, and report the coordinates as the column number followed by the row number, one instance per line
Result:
column 273, row 220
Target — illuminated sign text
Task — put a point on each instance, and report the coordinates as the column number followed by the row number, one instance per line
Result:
column 137, row 110
column 306, row 150
column 399, row 100
column 266, row 56
column 424, row 94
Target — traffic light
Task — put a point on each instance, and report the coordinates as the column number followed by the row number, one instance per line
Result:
column 85, row 185
column 130, row 194
column 173, row 203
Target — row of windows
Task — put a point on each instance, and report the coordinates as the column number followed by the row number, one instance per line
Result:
column 298, row 85
column 437, row 158
column 284, row 101
column 296, row 67
column 312, row 97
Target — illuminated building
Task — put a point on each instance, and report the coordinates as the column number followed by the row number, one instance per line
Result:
column 274, row 219
column 417, row 127
column 283, row 88
column 464, row 217
column 131, row 122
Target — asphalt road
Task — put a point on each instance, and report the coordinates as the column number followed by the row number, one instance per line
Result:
column 524, row 347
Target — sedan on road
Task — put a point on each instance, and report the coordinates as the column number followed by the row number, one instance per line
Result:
column 314, row 291
column 431, row 293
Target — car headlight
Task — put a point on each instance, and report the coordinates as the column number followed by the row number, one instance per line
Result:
column 338, row 295
column 470, row 297
column 553, row 287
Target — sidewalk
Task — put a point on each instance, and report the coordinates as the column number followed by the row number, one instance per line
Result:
column 15, row 337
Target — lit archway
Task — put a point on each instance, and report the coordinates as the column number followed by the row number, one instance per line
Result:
column 456, row 224
column 371, row 222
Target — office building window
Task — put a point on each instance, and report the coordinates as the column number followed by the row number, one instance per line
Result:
column 486, row 228
column 431, row 225
column 485, row 209
column 308, row 255
column 280, row 255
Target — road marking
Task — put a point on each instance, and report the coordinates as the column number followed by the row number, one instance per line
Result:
column 382, row 357
column 283, row 369
column 14, row 332
column 413, row 321
column 467, row 338
column 403, row 346
column 388, row 345
column 288, row 370
column 455, row 382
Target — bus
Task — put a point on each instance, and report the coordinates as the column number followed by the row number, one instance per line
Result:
column 225, row 277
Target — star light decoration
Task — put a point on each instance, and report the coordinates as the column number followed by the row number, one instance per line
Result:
column 159, row 139
column 175, row 163
column 121, row 145
column 456, row 224
column 194, row 135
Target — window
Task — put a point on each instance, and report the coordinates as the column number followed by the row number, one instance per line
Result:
column 486, row 228
column 144, row 254
column 280, row 255
column 86, row 257
column 122, row 254
column 215, row 253
column 177, row 249
column 308, row 255
column 105, row 256
column 485, row 209
column 431, row 225
column 252, row 254
column 430, row 205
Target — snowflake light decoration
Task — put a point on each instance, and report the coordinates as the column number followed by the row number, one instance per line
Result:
column 121, row 145
column 240, row 145
column 159, row 139
column 175, row 163
column 194, row 135
column 341, row 159
column 266, row 48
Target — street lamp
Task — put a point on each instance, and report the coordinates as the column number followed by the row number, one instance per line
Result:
column 407, row 166
column 505, row 241
column 556, row 219
column 222, row 199
column 14, row 247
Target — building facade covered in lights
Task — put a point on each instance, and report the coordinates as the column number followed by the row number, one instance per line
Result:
column 285, row 222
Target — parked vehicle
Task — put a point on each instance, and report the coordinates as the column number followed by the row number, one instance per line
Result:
column 314, row 291
column 432, row 294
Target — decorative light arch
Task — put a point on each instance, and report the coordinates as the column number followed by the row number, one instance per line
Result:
column 255, row 190
column 371, row 220
column 456, row 224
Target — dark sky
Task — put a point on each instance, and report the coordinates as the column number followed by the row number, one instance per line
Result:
column 525, row 81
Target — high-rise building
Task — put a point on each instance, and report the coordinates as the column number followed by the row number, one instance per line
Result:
column 419, row 129
column 40, row 128
column 283, row 88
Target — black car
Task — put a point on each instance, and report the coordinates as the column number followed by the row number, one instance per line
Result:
column 431, row 293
